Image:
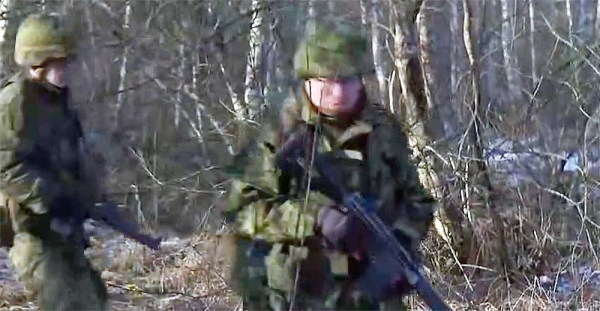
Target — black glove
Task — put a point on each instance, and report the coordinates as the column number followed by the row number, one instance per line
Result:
column 343, row 232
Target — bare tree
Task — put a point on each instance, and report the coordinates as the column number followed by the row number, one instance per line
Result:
column 252, row 92
column 5, row 7
column 377, row 50
column 475, row 130
column 508, row 9
column 122, row 71
column 532, row 30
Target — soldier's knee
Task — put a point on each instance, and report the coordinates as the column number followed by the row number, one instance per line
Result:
column 25, row 256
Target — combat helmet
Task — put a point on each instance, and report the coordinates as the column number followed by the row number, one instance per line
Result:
column 41, row 36
column 332, row 49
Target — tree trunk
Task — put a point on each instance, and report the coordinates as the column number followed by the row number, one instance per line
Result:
column 415, row 109
column 532, row 29
column 122, row 72
column 475, row 128
column 270, row 55
column 364, row 12
column 510, row 58
column 181, row 74
column 377, row 51
column 5, row 7
column 252, row 88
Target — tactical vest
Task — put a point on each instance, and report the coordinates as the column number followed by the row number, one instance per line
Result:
column 49, row 132
column 52, row 126
column 347, row 161
column 49, row 120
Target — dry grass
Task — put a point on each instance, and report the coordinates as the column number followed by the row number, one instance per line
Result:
column 190, row 274
column 184, row 275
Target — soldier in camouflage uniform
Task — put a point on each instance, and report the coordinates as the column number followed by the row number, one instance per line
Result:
column 35, row 121
column 300, row 250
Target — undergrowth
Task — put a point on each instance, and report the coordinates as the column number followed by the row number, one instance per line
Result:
column 543, row 231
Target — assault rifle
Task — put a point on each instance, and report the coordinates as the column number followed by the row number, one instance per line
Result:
column 389, row 259
column 68, row 206
column 108, row 213
column 386, row 253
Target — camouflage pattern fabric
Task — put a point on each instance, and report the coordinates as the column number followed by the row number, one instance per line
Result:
column 332, row 49
column 42, row 36
column 292, row 267
column 54, row 270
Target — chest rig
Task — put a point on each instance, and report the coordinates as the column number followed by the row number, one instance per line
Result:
column 343, row 150
column 51, row 130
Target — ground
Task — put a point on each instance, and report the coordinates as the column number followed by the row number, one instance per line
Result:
column 187, row 274
column 183, row 275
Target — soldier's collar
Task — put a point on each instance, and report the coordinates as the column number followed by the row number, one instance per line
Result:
column 55, row 89
column 48, row 86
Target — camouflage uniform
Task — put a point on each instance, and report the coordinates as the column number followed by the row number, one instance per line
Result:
column 35, row 114
column 276, row 236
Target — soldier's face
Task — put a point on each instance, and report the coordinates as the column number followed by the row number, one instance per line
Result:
column 52, row 71
column 334, row 96
column 55, row 72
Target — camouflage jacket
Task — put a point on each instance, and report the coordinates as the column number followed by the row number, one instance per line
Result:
column 35, row 119
column 373, row 157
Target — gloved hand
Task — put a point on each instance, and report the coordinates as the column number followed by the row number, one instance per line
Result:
column 343, row 232
column 63, row 227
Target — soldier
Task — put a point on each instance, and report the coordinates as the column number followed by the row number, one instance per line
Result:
column 36, row 122
column 95, row 155
column 294, row 248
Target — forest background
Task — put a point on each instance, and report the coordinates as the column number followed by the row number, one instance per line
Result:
column 496, row 95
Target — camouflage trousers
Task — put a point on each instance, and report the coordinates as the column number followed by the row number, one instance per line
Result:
column 281, row 277
column 58, row 274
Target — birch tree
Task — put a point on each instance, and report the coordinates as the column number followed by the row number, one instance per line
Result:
column 510, row 58
column 377, row 50
column 415, row 108
column 476, row 127
column 364, row 12
column 5, row 7
column 532, row 29
column 252, row 86
column 122, row 71
column 181, row 73
column 311, row 9
column 268, row 64
column 455, row 23
column 237, row 107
